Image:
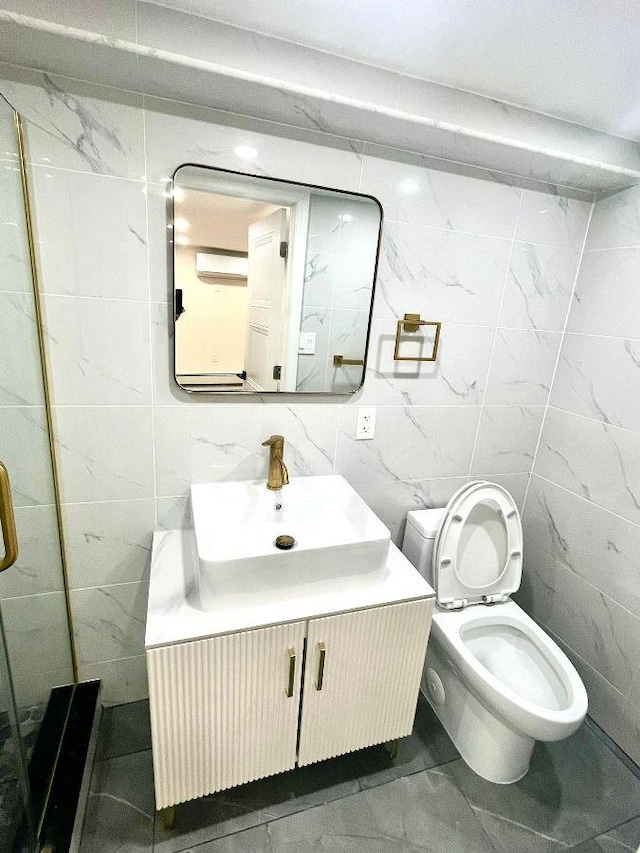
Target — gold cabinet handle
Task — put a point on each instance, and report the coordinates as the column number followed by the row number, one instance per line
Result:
column 7, row 521
column 292, row 673
column 320, row 677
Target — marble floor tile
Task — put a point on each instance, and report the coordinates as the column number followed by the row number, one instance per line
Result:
column 257, row 803
column 623, row 839
column 124, row 729
column 428, row 746
column 121, row 806
column 425, row 811
column 574, row 790
column 255, row 840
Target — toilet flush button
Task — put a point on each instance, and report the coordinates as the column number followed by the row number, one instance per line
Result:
column 435, row 687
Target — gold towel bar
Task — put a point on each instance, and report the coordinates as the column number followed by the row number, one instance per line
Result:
column 339, row 360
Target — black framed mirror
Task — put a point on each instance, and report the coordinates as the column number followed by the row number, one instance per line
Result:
column 273, row 283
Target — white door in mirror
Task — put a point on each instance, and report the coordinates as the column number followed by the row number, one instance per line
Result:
column 366, row 424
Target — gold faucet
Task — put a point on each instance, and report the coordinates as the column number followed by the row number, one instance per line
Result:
column 278, row 474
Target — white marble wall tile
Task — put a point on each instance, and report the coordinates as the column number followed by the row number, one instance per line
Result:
column 101, row 61
column 515, row 484
column 318, row 321
column 456, row 378
column 616, row 221
column 606, row 703
column 20, row 370
column 607, row 297
column 324, row 228
column 605, row 634
column 92, row 234
column 628, row 735
column 165, row 389
column 34, row 688
column 319, row 277
column 413, row 194
column 173, row 513
column 109, row 621
column 301, row 117
column 599, row 377
column 348, row 334
column 553, row 220
column 38, row 567
column 116, row 19
column 24, row 449
column 180, row 133
column 123, row 680
column 343, row 380
column 167, row 29
column 75, row 125
column 446, row 276
column 223, row 443
column 99, row 351
column 413, row 443
column 36, row 632
column 391, row 501
column 104, row 453
column 522, row 366
column 594, row 460
column 109, row 542
column 15, row 267
column 356, row 255
column 314, row 373
column 586, row 538
column 160, row 243
column 539, row 287
column 507, row 439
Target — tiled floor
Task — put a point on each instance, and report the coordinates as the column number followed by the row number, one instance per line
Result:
column 577, row 796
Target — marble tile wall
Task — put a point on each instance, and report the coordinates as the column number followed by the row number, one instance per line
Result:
column 31, row 592
column 494, row 262
column 582, row 514
column 339, row 274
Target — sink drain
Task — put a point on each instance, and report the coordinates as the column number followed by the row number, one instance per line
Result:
column 285, row 543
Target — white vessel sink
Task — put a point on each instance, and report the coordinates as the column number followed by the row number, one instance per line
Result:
column 339, row 542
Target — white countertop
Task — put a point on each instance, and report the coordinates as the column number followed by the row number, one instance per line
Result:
column 174, row 614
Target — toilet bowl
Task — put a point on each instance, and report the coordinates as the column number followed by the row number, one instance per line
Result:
column 496, row 680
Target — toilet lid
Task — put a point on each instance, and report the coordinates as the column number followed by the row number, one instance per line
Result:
column 477, row 554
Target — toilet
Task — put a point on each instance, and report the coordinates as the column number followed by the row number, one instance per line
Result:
column 496, row 681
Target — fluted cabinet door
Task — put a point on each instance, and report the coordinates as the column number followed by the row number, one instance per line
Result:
column 220, row 710
column 368, row 689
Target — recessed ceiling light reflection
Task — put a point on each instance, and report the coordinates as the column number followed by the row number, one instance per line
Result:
column 245, row 152
column 178, row 193
column 182, row 241
column 409, row 187
column 345, row 217
column 181, row 224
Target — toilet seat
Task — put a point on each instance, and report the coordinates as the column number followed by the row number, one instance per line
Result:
column 551, row 713
column 477, row 554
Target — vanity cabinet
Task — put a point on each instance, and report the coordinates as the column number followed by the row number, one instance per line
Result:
column 237, row 707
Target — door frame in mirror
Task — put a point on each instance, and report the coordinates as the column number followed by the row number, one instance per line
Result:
column 171, row 244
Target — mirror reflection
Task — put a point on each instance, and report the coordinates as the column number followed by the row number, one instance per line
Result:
column 273, row 283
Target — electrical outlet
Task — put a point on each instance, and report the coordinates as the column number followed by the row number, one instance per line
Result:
column 366, row 424
column 307, row 345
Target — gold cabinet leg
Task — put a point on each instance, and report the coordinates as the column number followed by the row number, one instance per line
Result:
column 168, row 817
column 392, row 748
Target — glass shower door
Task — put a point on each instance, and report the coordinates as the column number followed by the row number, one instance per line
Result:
column 35, row 640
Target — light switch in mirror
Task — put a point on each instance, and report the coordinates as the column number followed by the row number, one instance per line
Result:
column 273, row 283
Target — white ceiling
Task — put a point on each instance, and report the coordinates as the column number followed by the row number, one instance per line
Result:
column 218, row 221
column 576, row 59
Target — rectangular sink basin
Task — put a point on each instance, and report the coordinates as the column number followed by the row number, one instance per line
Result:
column 339, row 543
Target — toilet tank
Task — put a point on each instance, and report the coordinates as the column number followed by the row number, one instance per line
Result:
column 419, row 536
